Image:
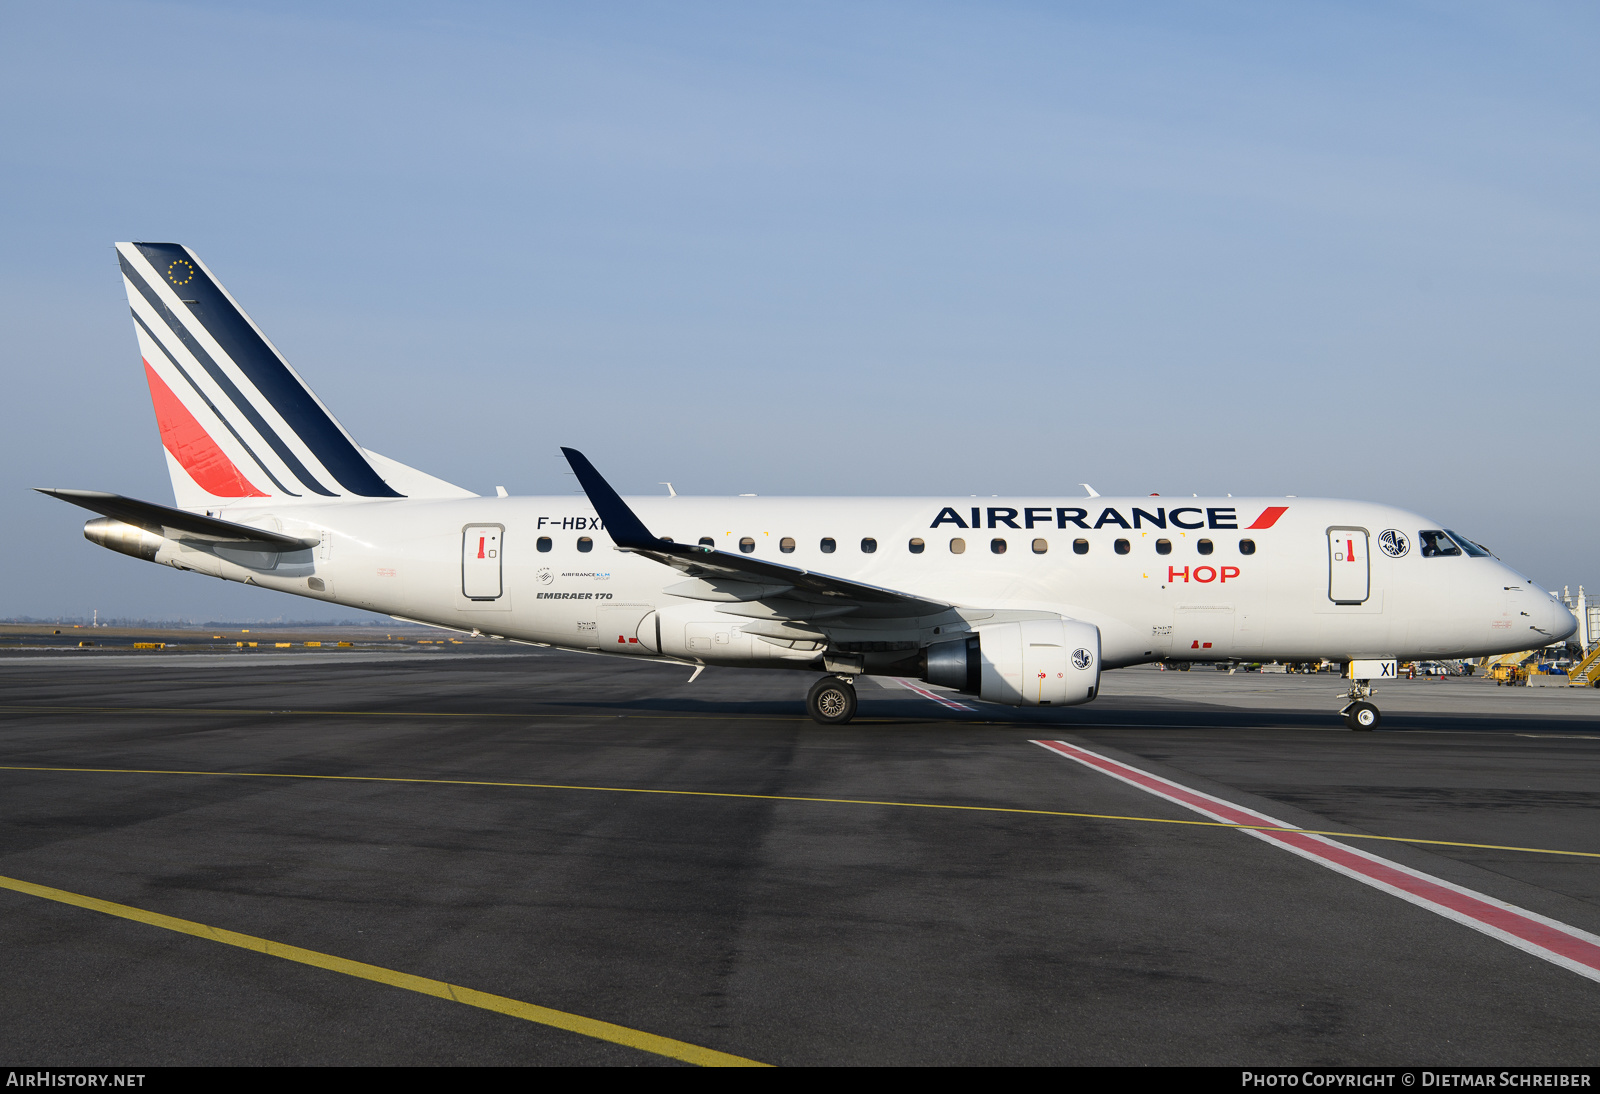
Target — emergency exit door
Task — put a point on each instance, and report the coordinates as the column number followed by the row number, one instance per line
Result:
column 1349, row 575
column 480, row 561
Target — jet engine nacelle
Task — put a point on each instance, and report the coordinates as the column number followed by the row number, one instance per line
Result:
column 126, row 539
column 1033, row 663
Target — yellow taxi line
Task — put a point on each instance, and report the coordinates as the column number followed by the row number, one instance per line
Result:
column 515, row 1008
column 801, row 798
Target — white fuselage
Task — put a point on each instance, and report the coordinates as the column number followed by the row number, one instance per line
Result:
column 1295, row 597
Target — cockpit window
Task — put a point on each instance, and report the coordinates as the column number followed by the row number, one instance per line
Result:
column 1435, row 544
column 1467, row 545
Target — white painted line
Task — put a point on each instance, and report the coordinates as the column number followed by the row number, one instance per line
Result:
column 912, row 685
column 1573, row 949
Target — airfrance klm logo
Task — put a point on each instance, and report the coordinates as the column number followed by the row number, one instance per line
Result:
column 1188, row 517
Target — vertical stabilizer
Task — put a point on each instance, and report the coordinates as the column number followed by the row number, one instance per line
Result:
column 235, row 419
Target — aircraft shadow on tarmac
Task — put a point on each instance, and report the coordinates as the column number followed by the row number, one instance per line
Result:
column 1134, row 713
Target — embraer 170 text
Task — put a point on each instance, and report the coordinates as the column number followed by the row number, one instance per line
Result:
column 1019, row 601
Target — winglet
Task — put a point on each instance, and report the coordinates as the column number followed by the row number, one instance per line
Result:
column 626, row 529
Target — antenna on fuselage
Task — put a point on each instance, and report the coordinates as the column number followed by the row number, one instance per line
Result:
column 671, row 493
column 1093, row 493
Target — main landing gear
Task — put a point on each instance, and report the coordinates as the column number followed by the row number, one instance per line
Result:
column 832, row 700
column 1359, row 713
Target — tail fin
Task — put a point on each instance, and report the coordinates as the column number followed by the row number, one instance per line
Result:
column 236, row 420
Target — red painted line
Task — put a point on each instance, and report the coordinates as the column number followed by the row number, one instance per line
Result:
column 1573, row 949
column 1269, row 516
column 911, row 685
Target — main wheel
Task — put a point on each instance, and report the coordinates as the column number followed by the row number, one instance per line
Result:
column 1362, row 716
column 831, row 701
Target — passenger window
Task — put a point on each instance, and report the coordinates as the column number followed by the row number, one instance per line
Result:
column 828, row 546
column 543, row 543
column 957, row 545
column 1163, row 546
column 1435, row 544
column 1203, row 546
column 1468, row 546
column 786, row 545
column 998, row 546
column 916, row 546
column 1247, row 546
column 1080, row 546
column 1040, row 546
column 707, row 541
column 868, row 546
column 585, row 544
column 747, row 545
column 1122, row 546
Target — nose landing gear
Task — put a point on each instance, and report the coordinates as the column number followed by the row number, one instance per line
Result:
column 1359, row 714
column 831, row 701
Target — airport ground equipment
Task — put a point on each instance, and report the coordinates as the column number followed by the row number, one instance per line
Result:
column 1502, row 667
column 1019, row 601
column 1586, row 673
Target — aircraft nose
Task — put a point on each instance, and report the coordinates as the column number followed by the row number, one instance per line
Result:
column 1552, row 617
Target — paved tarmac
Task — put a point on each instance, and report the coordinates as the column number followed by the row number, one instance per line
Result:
column 781, row 930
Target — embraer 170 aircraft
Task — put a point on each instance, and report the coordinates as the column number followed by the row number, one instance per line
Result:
column 1018, row 601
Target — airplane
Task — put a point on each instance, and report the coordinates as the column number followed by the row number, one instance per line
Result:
column 1018, row 601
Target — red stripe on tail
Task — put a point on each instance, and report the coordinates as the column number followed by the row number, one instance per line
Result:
column 1269, row 516
column 193, row 447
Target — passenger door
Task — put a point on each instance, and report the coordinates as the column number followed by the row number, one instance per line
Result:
column 1349, row 570
column 481, row 561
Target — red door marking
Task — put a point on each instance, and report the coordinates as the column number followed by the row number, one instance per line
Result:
column 1349, row 550
column 480, row 545
column 1573, row 949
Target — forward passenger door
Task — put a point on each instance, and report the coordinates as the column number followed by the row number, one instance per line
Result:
column 1349, row 570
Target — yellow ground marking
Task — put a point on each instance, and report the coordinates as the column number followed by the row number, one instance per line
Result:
column 544, row 1016
column 800, row 798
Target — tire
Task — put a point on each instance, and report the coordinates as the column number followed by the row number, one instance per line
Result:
column 1362, row 717
column 831, row 701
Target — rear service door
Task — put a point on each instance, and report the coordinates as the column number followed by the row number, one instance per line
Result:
column 480, row 561
column 1349, row 576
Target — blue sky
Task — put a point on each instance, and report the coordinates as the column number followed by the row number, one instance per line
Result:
column 1335, row 249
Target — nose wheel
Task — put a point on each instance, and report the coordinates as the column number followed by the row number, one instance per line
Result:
column 831, row 701
column 1359, row 713
column 1362, row 715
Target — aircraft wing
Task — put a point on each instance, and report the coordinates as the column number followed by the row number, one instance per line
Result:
column 176, row 523
column 729, row 577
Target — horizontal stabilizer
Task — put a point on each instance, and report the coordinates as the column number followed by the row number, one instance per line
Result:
column 175, row 523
